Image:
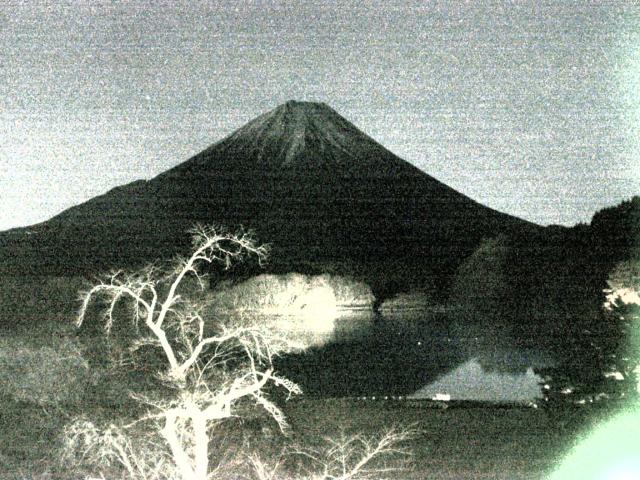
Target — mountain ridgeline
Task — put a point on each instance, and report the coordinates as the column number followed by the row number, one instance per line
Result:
column 304, row 179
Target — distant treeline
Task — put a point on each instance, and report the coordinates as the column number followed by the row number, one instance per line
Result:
column 546, row 286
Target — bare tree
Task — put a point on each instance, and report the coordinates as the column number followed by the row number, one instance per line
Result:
column 348, row 457
column 210, row 365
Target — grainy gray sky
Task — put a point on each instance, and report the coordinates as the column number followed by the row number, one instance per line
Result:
column 532, row 108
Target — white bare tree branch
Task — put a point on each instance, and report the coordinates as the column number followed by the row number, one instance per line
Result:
column 347, row 457
column 207, row 389
column 351, row 457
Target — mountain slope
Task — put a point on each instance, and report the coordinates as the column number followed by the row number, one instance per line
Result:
column 303, row 177
column 298, row 138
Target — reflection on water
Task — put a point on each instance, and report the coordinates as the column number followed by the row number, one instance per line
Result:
column 470, row 381
column 414, row 351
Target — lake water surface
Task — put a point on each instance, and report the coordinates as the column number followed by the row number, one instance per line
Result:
column 419, row 353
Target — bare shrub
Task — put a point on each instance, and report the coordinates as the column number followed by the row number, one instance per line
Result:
column 46, row 375
column 134, row 451
column 346, row 457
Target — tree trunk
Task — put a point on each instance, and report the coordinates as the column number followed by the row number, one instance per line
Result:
column 201, row 447
column 180, row 457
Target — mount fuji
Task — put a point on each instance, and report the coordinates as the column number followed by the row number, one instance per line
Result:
column 306, row 180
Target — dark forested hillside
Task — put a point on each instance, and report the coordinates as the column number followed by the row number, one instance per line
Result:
column 546, row 288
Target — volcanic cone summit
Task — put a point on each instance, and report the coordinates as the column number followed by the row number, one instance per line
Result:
column 298, row 138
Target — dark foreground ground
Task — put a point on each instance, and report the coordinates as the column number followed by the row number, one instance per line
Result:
column 453, row 443
column 458, row 443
